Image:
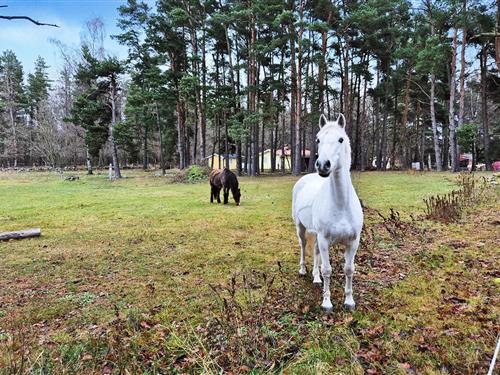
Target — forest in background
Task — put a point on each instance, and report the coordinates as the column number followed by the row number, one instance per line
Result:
column 417, row 81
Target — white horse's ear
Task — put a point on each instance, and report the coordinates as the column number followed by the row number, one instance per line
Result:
column 339, row 122
column 322, row 121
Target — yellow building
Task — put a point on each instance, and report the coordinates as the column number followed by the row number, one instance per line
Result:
column 281, row 157
column 217, row 161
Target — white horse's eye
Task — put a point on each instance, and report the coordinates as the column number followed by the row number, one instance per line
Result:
column 341, row 140
column 317, row 140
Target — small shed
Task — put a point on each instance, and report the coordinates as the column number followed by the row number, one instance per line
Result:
column 283, row 157
column 218, row 161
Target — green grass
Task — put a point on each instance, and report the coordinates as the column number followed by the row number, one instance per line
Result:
column 141, row 244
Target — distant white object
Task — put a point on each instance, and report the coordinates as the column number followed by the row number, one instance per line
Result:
column 387, row 165
column 110, row 173
column 326, row 206
column 480, row 167
column 415, row 166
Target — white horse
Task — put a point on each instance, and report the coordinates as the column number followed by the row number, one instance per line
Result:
column 326, row 206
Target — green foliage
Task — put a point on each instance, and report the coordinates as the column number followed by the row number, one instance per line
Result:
column 125, row 134
column 433, row 56
column 38, row 85
column 11, row 80
column 467, row 136
column 196, row 173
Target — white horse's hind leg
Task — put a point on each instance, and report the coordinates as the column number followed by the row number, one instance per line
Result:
column 316, row 261
column 301, row 234
column 349, row 255
column 326, row 272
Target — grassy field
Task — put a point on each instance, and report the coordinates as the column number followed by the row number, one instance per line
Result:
column 144, row 276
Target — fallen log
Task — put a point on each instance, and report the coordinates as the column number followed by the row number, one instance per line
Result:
column 20, row 234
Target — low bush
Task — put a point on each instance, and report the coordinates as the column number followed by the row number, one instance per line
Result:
column 196, row 173
column 449, row 207
column 192, row 174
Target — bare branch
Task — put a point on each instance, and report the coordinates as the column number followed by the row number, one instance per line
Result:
column 26, row 18
column 420, row 87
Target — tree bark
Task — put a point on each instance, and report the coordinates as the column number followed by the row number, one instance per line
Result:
column 89, row 161
column 114, row 151
column 437, row 147
column 484, row 107
column 181, row 134
column 461, row 107
column 294, row 105
column 404, row 143
column 160, row 133
column 451, row 110
column 145, row 161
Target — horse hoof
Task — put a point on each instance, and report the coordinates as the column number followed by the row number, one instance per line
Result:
column 349, row 307
column 302, row 272
column 327, row 310
column 317, row 284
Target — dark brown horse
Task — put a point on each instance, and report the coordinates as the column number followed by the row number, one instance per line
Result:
column 224, row 179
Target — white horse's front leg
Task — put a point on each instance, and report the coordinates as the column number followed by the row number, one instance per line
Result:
column 349, row 255
column 301, row 234
column 326, row 271
column 316, row 261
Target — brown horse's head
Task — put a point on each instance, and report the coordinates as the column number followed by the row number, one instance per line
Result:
column 236, row 195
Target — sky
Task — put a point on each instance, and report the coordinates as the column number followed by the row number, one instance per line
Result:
column 29, row 41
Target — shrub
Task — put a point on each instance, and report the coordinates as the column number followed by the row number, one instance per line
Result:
column 196, row 173
column 449, row 207
column 192, row 174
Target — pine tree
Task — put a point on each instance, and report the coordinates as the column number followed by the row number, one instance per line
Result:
column 12, row 94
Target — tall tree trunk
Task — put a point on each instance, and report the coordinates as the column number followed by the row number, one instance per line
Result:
column 252, row 99
column 362, row 152
column 404, row 142
column 422, row 136
column 116, row 166
column 357, row 129
column 181, row 134
column 437, row 147
column 14, row 134
column 382, row 159
column 145, row 161
column 451, row 111
column 160, row 133
column 346, row 97
column 89, row 160
column 295, row 104
column 226, row 140
column 199, row 113
column 461, row 107
column 376, row 126
column 484, row 107
column 203, row 144
column 294, row 135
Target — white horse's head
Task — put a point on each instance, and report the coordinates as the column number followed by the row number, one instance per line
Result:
column 334, row 150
